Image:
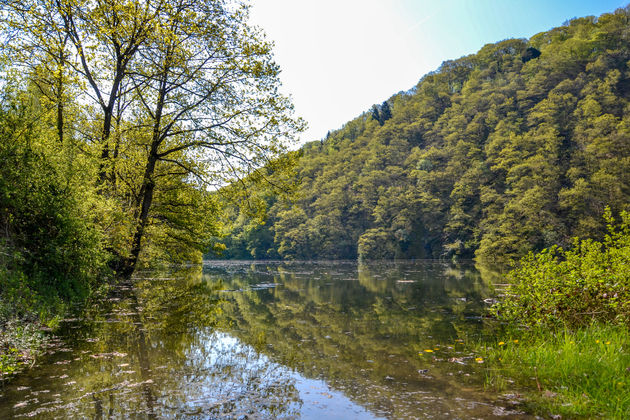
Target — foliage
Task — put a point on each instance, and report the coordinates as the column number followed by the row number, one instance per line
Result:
column 572, row 288
column 575, row 304
column 371, row 245
column 575, row 373
column 177, row 98
column 20, row 342
column 118, row 120
column 51, row 253
column 489, row 156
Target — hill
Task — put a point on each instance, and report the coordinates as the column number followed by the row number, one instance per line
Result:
column 515, row 148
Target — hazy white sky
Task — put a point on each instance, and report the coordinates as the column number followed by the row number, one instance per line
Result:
column 338, row 57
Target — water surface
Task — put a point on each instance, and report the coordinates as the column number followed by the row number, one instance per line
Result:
column 272, row 340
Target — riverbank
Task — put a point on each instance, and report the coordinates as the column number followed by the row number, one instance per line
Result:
column 582, row 373
column 569, row 311
column 21, row 341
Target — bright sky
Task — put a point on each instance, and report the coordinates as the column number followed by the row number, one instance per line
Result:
column 338, row 57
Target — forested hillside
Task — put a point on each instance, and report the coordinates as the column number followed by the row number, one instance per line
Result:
column 516, row 148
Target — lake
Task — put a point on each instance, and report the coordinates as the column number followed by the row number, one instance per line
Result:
column 259, row 340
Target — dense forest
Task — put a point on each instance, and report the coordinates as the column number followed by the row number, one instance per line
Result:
column 518, row 147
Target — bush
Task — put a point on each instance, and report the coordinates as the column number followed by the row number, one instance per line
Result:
column 20, row 341
column 51, row 254
column 376, row 244
column 590, row 282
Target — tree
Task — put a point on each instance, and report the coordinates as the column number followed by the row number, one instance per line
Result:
column 50, row 253
column 37, row 44
column 529, row 54
column 208, row 91
column 376, row 115
column 386, row 112
column 381, row 113
column 185, row 93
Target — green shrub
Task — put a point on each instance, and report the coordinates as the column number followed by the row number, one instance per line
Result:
column 51, row 250
column 572, row 288
column 377, row 244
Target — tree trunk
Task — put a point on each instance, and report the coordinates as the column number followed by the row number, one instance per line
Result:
column 60, row 110
column 146, row 199
column 107, row 127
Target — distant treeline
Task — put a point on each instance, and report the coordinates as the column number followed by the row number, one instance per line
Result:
column 516, row 148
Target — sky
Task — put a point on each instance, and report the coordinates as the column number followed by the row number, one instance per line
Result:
column 339, row 57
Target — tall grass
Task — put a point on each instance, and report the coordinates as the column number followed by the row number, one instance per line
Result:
column 578, row 373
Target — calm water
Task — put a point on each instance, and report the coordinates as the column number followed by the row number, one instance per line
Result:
column 271, row 340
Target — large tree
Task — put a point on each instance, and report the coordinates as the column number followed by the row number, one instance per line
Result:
column 182, row 96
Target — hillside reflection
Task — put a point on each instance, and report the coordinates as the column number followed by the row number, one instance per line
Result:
column 363, row 329
column 272, row 340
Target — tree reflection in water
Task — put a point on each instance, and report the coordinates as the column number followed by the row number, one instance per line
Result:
column 270, row 340
column 364, row 328
column 151, row 351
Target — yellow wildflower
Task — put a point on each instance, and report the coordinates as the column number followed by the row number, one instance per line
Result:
column 429, row 351
column 516, row 341
column 597, row 341
column 479, row 359
column 501, row 343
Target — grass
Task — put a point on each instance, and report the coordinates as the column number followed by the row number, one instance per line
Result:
column 585, row 373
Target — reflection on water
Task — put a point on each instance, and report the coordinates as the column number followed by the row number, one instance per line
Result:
column 271, row 340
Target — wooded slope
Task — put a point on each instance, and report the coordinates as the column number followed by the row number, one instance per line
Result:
column 492, row 155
